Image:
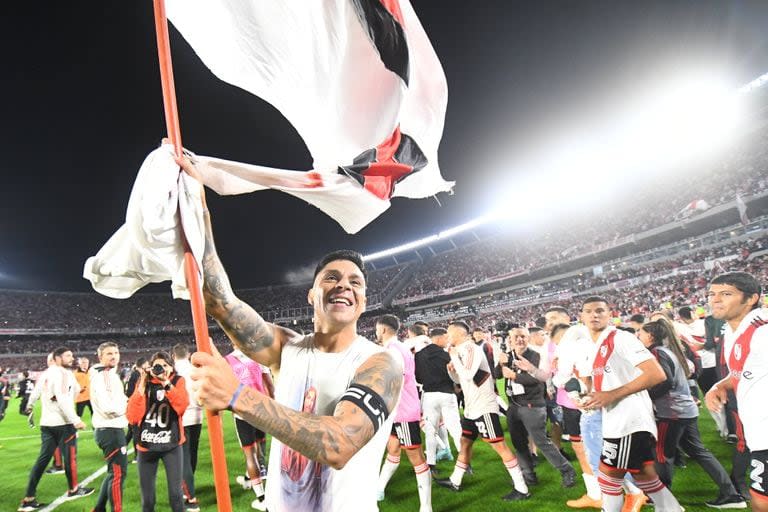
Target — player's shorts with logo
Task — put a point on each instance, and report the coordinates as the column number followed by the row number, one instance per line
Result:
column 487, row 426
column 630, row 452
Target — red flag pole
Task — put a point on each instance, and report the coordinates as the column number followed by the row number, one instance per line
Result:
column 191, row 270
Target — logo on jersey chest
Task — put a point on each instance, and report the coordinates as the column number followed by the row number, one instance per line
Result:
column 160, row 394
column 737, row 351
column 603, row 351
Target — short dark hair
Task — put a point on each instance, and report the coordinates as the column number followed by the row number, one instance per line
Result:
column 745, row 282
column 685, row 312
column 478, row 329
column 141, row 362
column 417, row 329
column 462, row 324
column 535, row 329
column 60, row 351
column 640, row 319
column 540, row 322
column 594, row 298
column 437, row 331
column 180, row 351
column 343, row 254
column 390, row 321
column 422, row 323
column 558, row 309
column 557, row 328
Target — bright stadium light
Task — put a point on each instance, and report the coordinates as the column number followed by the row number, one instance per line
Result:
column 679, row 119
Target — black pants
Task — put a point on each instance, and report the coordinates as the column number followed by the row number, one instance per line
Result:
column 173, row 460
column 524, row 421
column 112, row 444
column 23, row 405
column 63, row 437
column 685, row 433
column 80, row 407
column 192, row 433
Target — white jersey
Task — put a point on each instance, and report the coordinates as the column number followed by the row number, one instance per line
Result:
column 107, row 398
column 313, row 381
column 746, row 353
column 616, row 357
column 474, row 375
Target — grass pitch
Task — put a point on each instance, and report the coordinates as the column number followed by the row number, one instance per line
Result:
column 19, row 446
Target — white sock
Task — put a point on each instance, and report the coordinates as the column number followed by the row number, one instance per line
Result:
column 424, row 484
column 613, row 498
column 661, row 496
column 517, row 476
column 258, row 488
column 593, row 488
column 458, row 473
column 387, row 470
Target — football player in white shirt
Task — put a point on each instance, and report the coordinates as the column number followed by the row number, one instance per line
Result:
column 735, row 298
column 622, row 371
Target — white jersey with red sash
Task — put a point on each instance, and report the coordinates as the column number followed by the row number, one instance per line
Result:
column 617, row 356
column 746, row 352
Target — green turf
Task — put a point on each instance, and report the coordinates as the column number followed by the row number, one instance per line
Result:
column 481, row 492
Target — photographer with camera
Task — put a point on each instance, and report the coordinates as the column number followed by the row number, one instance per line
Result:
column 156, row 408
column 526, row 413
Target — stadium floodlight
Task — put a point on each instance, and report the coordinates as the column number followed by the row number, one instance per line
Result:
column 691, row 117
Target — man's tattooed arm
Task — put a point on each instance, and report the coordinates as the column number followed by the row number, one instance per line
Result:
column 259, row 339
column 330, row 440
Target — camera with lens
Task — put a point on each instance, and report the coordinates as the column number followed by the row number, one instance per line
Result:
column 157, row 370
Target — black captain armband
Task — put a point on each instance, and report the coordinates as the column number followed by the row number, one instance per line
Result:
column 369, row 401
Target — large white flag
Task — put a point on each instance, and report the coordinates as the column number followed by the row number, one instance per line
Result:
column 358, row 79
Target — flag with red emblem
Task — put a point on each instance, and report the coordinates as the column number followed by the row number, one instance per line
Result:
column 358, row 80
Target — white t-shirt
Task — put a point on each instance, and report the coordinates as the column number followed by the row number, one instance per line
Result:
column 752, row 388
column 616, row 357
column 313, row 381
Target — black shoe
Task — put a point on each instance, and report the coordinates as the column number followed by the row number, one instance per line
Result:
column 732, row 439
column 191, row 506
column 446, row 482
column 80, row 492
column 680, row 463
column 732, row 501
column 28, row 506
column 54, row 470
column 530, row 479
column 435, row 472
column 516, row 495
column 569, row 477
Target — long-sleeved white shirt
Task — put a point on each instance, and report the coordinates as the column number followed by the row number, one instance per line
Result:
column 467, row 359
column 107, row 398
column 57, row 396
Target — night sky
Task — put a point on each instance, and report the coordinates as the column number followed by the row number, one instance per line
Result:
column 82, row 106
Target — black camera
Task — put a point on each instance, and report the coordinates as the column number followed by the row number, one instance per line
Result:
column 158, row 370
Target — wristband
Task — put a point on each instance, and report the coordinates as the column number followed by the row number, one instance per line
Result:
column 239, row 389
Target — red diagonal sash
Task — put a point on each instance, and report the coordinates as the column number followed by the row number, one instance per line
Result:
column 603, row 354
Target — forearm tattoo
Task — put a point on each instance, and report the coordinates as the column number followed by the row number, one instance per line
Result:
column 330, row 440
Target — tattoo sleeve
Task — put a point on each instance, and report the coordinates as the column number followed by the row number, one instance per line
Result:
column 243, row 325
column 330, row 440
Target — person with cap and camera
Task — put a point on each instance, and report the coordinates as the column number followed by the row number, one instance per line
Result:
column 156, row 408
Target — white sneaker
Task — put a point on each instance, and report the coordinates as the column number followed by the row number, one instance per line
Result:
column 244, row 481
column 259, row 504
